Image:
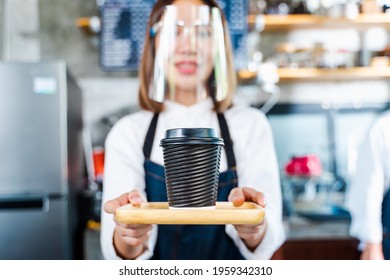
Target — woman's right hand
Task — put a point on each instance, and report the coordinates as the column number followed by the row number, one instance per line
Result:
column 129, row 240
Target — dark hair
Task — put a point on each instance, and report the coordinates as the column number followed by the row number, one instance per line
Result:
column 148, row 56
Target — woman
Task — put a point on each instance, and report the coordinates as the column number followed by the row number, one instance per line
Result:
column 368, row 197
column 187, row 79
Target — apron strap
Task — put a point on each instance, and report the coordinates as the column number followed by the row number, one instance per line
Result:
column 386, row 214
column 386, row 225
column 231, row 158
column 148, row 144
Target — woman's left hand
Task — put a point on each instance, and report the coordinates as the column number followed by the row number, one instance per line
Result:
column 250, row 234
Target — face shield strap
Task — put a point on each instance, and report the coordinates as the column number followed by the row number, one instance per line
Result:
column 180, row 24
column 155, row 28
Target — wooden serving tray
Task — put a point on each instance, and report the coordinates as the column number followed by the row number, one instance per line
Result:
column 159, row 213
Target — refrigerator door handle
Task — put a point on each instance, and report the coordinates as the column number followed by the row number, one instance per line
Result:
column 33, row 203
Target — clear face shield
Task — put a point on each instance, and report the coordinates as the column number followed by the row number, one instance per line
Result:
column 190, row 55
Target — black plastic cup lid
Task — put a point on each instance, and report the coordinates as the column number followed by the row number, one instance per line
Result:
column 191, row 132
column 192, row 136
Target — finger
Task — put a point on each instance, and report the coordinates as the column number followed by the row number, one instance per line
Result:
column 136, row 233
column 254, row 196
column 236, row 196
column 249, row 236
column 135, row 198
column 248, row 229
column 111, row 205
column 133, row 241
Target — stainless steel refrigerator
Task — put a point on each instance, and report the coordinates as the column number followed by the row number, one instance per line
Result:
column 41, row 161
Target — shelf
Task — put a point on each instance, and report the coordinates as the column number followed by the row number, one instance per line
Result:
column 290, row 22
column 314, row 74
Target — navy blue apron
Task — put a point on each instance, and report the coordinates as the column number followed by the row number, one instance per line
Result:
column 386, row 225
column 185, row 242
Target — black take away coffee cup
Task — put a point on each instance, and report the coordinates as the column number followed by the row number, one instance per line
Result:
column 191, row 162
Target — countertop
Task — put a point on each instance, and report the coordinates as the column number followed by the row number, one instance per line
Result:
column 300, row 228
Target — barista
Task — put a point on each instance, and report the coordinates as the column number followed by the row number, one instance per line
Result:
column 187, row 79
column 368, row 198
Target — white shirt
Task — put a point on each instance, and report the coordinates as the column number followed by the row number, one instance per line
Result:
column 370, row 183
column 253, row 148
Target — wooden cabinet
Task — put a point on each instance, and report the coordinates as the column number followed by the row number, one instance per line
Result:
column 317, row 239
column 318, row 249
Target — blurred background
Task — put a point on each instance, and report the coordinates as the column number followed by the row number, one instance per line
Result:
column 319, row 70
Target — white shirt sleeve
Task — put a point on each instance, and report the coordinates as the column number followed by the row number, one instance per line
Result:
column 365, row 194
column 123, row 172
column 257, row 168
